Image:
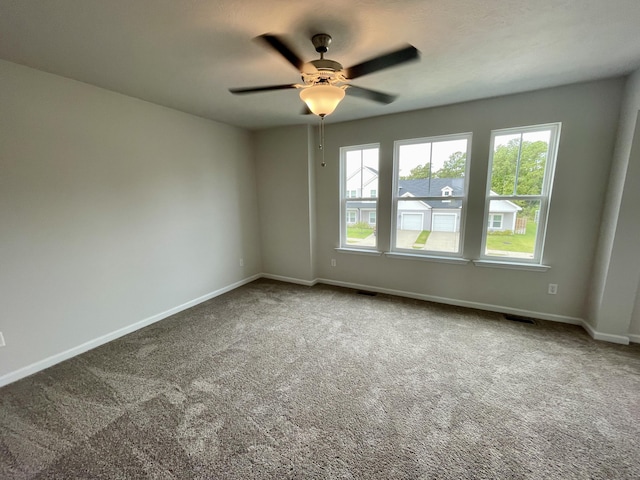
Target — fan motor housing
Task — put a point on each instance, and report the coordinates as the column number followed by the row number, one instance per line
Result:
column 326, row 64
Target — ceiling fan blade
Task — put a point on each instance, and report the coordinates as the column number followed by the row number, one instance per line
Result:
column 283, row 49
column 391, row 59
column 240, row 91
column 369, row 94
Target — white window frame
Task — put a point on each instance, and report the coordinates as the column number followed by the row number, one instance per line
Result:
column 463, row 198
column 375, row 218
column 348, row 215
column 345, row 195
column 544, row 197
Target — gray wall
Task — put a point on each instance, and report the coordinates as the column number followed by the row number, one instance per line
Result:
column 112, row 210
column 617, row 270
column 589, row 113
column 285, row 198
column 634, row 328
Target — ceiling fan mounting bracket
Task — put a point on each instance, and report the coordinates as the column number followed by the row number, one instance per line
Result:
column 321, row 42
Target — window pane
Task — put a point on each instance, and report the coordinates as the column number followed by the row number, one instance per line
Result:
column 359, row 184
column 414, row 161
column 423, row 227
column 513, row 227
column 369, row 172
column 430, row 180
column 533, row 160
column 358, row 227
column 505, row 160
column 449, row 160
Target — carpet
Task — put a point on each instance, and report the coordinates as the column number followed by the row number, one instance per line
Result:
column 281, row 381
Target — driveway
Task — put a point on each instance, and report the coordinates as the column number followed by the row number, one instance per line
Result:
column 443, row 242
column 406, row 238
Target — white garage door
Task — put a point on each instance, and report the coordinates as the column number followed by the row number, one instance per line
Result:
column 411, row 221
column 444, row 222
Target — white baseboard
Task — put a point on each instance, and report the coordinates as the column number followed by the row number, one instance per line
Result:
column 307, row 283
column 72, row 352
column 596, row 335
column 91, row 344
column 606, row 337
column 459, row 303
column 633, row 338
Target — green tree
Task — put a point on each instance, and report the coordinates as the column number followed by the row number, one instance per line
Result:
column 421, row 171
column 530, row 170
column 454, row 167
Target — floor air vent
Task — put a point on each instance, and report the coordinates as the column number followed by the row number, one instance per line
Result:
column 367, row 293
column 517, row 318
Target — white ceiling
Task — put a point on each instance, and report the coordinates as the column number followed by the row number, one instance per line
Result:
column 185, row 54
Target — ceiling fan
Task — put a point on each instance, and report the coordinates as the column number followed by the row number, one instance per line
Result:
column 324, row 81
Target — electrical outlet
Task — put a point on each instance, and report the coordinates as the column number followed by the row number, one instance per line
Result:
column 333, row 262
column 553, row 289
column 242, row 262
column 2, row 344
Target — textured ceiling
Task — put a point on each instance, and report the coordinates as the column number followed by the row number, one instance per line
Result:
column 185, row 54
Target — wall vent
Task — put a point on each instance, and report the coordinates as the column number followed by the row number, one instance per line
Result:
column 518, row 318
column 367, row 293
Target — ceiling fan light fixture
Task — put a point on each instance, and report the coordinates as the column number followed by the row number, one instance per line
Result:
column 322, row 100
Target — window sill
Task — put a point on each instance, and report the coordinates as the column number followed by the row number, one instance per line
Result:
column 428, row 258
column 359, row 251
column 534, row 267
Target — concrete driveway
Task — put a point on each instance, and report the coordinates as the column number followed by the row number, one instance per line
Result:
column 437, row 241
column 406, row 238
column 443, row 242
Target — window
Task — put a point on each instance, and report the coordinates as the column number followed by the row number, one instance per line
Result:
column 358, row 173
column 425, row 171
column 518, row 192
column 495, row 221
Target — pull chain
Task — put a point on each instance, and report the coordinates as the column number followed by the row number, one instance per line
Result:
column 321, row 135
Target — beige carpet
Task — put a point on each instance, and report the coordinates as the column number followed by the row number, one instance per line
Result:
column 281, row 381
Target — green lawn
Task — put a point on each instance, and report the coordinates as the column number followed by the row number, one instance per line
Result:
column 513, row 243
column 359, row 231
column 422, row 239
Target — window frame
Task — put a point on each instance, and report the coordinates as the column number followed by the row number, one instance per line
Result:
column 544, row 197
column 461, row 213
column 345, row 197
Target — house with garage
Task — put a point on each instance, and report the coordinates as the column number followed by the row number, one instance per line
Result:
column 439, row 209
column 437, row 212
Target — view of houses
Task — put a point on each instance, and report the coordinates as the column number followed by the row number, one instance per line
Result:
column 424, row 204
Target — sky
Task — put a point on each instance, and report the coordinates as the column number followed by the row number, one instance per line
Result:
column 412, row 155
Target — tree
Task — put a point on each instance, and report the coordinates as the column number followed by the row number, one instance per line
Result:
column 530, row 170
column 454, row 167
column 421, row 171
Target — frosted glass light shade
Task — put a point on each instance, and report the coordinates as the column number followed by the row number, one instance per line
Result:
column 322, row 99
